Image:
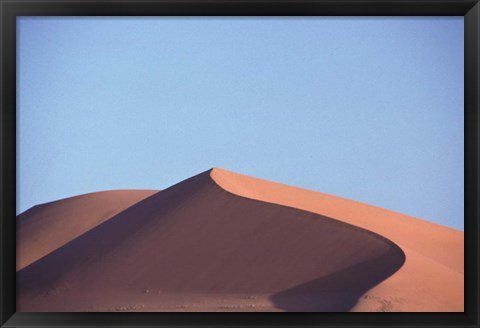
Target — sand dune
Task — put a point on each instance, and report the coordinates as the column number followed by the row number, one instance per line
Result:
column 221, row 241
column 44, row 228
column 431, row 280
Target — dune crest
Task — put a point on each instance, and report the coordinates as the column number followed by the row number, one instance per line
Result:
column 434, row 253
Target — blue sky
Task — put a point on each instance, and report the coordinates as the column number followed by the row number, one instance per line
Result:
column 367, row 108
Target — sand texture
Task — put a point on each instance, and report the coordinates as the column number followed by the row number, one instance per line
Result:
column 222, row 241
column 44, row 228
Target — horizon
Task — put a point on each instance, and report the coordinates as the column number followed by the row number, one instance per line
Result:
column 367, row 109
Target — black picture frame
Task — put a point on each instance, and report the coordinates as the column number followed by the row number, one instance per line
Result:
column 10, row 9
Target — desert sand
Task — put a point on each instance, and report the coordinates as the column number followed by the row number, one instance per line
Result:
column 222, row 241
column 44, row 228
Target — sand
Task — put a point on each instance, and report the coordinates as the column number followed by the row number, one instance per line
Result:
column 44, row 228
column 431, row 280
column 221, row 241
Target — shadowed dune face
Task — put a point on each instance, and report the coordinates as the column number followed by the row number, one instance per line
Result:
column 44, row 228
column 340, row 291
column 196, row 238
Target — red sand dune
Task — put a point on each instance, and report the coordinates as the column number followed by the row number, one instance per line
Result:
column 221, row 241
column 44, row 228
column 431, row 280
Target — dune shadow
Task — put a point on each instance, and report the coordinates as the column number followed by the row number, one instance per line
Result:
column 340, row 291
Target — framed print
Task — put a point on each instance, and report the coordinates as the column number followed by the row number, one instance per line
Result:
column 239, row 163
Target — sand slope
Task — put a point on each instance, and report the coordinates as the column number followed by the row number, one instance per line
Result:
column 44, row 228
column 197, row 247
column 432, row 277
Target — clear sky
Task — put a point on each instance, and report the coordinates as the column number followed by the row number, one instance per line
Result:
column 368, row 108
